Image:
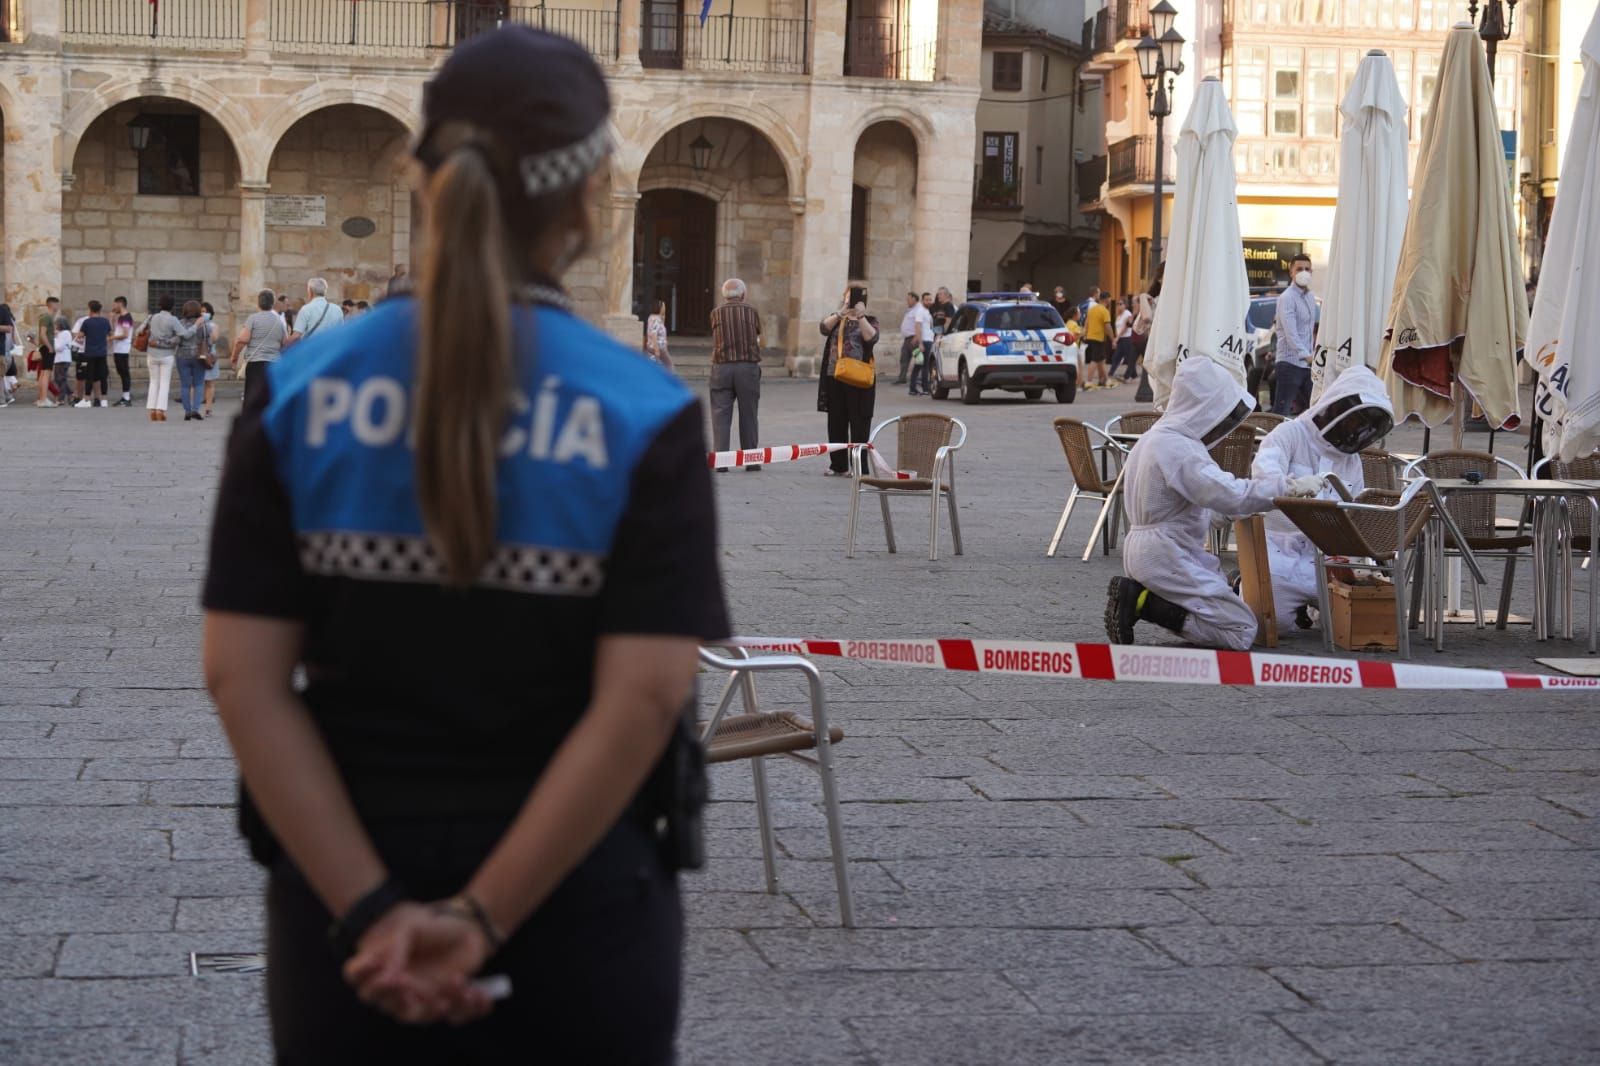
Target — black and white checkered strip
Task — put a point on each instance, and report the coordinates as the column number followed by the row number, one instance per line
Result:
column 563, row 167
column 513, row 567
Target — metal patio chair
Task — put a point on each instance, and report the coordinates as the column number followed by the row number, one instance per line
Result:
column 1474, row 514
column 924, row 449
column 1077, row 440
column 755, row 734
column 1580, row 519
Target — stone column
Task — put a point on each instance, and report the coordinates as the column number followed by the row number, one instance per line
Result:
column 34, row 173
column 257, row 30
column 620, row 321
column 822, row 216
column 252, row 243
column 944, row 200
column 630, row 16
column 42, row 18
column 960, row 42
column 828, row 27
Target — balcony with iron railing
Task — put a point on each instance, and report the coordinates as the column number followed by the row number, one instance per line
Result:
column 1125, row 20
column 993, row 193
column 723, row 42
column 886, row 48
column 1091, row 174
column 420, row 29
column 1131, row 161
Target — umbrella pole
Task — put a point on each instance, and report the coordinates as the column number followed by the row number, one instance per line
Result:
column 1458, row 426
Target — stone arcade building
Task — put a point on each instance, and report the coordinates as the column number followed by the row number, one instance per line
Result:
column 214, row 147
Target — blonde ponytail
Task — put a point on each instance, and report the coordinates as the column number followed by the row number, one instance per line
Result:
column 463, row 377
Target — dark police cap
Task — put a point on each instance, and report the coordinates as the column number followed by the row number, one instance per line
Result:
column 538, row 97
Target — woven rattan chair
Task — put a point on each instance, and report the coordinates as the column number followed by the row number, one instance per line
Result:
column 1474, row 515
column 757, row 735
column 1264, row 421
column 1380, row 526
column 1235, row 453
column 1580, row 519
column 1379, row 470
column 1132, row 422
column 1077, row 440
column 924, row 449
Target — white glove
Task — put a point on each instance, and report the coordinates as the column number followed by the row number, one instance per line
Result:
column 1309, row 485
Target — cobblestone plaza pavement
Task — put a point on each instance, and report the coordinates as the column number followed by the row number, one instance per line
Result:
column 1045, row 871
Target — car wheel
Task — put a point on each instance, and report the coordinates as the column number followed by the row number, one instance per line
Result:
column 1033, row 394
column 1068, row 392
column 969, row 391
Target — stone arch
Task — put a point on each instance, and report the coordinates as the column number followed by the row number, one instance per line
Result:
column 765, row 121
column 220, row 108
column 350, row 159
column 739, row 220
column 316, row 98
column 886, row 167
column 921, row 129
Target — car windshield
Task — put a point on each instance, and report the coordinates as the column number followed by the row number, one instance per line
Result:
column 1022, row 316
column 1262, row 313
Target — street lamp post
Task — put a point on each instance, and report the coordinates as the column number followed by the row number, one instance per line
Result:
column 1160, row 58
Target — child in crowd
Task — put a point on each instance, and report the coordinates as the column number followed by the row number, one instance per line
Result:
column 62, row 369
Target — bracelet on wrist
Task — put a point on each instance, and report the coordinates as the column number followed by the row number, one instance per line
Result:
column 464, row 905
column 347, row 931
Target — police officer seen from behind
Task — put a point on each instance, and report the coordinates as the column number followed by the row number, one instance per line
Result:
column 488, row 773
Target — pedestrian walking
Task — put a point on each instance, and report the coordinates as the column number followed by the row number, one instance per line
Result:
column 421, row 826
column 61, row 342
column 735, row 368
column 915, row 325
column 849, row 333
column 258, row 344
column 213, row 363
column 316, row 315
column 122, row 348
column 1088, row 302
column 655, row 335
column 10, row 346
column 193, row 347
column 1296, row 337
column 94, row 334
column 1096, row 343
column 45, row 354
column 1122, row 354
column 165, row 332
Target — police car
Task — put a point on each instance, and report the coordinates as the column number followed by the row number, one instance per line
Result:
column 1007, row 340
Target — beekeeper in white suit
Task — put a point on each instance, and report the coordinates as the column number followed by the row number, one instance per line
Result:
column 1327, row 438
column 1173, row 487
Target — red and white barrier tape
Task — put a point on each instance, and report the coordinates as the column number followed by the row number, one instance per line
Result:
column 788, row 453
column 1174, row 665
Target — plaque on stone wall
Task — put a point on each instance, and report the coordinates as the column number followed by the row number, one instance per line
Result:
column 309, row 211
column 359, row 227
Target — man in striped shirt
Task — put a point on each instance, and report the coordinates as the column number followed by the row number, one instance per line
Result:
column 735, row 368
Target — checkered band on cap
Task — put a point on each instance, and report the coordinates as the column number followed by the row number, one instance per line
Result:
column 561, row 168
column 512, row 568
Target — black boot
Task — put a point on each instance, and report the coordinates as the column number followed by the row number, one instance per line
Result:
column 1128, row 602
column 1122, row 609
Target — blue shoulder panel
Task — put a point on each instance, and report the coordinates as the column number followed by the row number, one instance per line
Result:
column 584, row 410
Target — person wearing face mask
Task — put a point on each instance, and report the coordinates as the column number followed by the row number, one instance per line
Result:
column 1353, row 413
column 1296, row 332
column 1172, row 487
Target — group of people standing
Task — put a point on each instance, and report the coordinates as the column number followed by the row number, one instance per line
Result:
column 1114, row 332
column 71, row 359
column 927, row 317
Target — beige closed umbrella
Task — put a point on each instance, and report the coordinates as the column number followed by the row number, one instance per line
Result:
column 1459, row 314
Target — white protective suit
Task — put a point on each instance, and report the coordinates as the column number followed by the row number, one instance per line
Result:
column 1297, row 448
column 1172, row 486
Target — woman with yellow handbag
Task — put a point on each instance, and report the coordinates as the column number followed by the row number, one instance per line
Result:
column 847, row 387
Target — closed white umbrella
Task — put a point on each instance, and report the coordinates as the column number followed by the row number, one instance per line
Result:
column 1564, row 336
column 1204, row 293
column 1460, row 311
column 1368, row 224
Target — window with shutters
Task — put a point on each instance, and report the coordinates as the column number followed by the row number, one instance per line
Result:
column 1008, row 72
